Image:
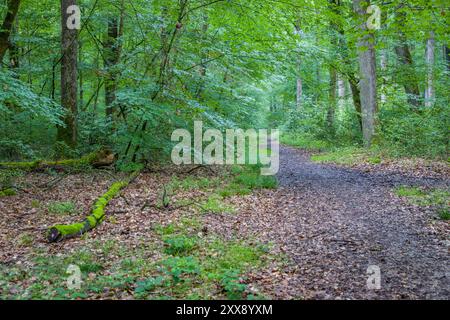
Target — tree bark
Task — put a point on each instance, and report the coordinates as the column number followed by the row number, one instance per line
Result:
column 367, row 68
column 112, row 57
column 69, row 77
column 8, row 22
column 429, row 91
column 383, row 65
column 332, row 101
column 14, row 62
column 341, row 91
column 447, row 57
column 299, row 82
column 404, row 56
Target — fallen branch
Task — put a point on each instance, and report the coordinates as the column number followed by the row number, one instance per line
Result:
column 96, row 159
column 62, row 231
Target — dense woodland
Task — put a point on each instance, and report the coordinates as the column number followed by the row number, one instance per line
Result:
column 138, row 69
column 88, row 107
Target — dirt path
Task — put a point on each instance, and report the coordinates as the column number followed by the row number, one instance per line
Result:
column 332, row 223
column 345, row 221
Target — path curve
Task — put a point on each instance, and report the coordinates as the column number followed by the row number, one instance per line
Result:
column 346, row 220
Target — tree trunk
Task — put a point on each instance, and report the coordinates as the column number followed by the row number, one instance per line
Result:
column 429, row 91
column 383, row 65
column 409, row 78
column 447, row 57
column 341, row 91
column 299, row 82
column 356, row 96
column 8, row 22
column 69, row 77
column 367, row 67
column 332, row 101
column 14, row 62
column 203, row 56
column 112, row 50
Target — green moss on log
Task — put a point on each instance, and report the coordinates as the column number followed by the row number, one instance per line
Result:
column 103, row 157
column 61, row 232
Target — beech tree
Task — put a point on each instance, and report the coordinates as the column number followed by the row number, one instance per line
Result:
column 69, row 74
column 367, row 69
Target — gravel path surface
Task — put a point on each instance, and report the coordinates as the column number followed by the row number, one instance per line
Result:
column 345, row 220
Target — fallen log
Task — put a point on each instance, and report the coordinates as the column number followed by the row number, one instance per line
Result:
column 95, row 159
column 65, row 231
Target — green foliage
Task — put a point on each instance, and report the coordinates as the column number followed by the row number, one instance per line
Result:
column 437, row 198
column 144, row 286
column 251, row 178
column 215, row 204
column 233, row 189
column 345, row 156
column 408, row 133
column 193, row 183
column 405, row 191
column 179, row 245
column 25, row 239
column 444, row 213
column 7, row 192
column 304, row 142
column 176, row 267
column 62, row 207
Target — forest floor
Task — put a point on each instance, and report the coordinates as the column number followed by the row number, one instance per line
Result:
column 313, row 237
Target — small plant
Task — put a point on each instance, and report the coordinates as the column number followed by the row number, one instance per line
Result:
column 234, row 189
column 62, row 207
column 179, row 245
column 232, row 285
column 253, row 180
column 25, row 239
column 405, row 191
column 7, row 192
column 178, row 266
column 35, row 203
column 144, row 286
column 215, row 204
column 444, row 213
column 192, row 183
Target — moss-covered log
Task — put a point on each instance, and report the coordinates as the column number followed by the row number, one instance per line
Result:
column 95, row 159
column 64, row 231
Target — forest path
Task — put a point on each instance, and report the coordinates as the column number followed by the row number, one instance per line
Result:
column 343, row 220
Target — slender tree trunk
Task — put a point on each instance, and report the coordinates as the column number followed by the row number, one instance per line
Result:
column 299, row 82
column 7, row 26
column 409, row 79
column 367, row 67
column 341, row 91
column 112, row 55
column 447, row 57
column 80, row 76
column 383, row 65
column 332, row 100
column 203, row 56
column 69, row 77
column 14, row 53
column 429, row 91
